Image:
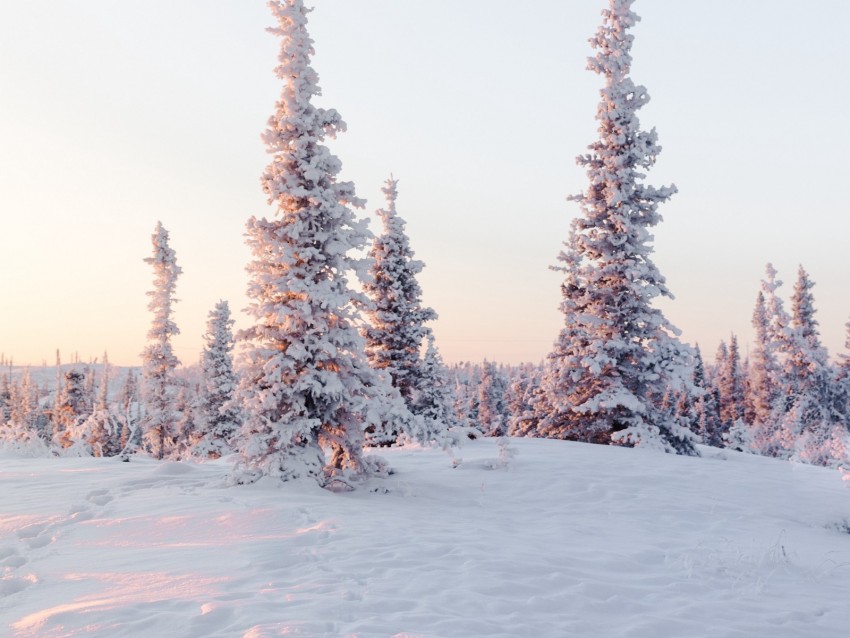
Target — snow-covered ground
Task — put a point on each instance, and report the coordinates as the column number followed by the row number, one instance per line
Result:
column 568, row 540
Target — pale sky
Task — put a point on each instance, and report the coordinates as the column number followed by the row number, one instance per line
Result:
column 114, row 115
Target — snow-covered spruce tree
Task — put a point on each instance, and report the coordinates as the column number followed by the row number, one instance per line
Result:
column 764, row 366
column 616, row 354
column 104, row 429
column 396, row 321
column 467, row 378
column 22, row 428
column 218, row 415
column 808, row 392
column 159, row 387
column 706, row 406
column 25, row 410
column 771, row 436
column 842, row 380
column 729, row 383
column 128, row 412
column 306, row 383
column 5, row 397
column 185, row 429
column 492, row 409
column 697, row 407
column 72, row 409
column 522, row 416
column 435, row 398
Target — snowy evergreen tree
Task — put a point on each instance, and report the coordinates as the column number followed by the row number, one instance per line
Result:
column 128, row 412
column 187, row 434
column 492, row 409
column 739, row 437
column 71, row 410
column 22, row 429
column 159, row 388
column 706, row 406
column 522, row 415
column 218, row 415
column 808, row 391
column 617, row 353
column 5, row 399
column 841, row 399
column 764, row 366
column 25, row 411
column 306, row 385
column 91, row 384
column 729, row 383
column 697, row 406
column 844, row 357
column 467, row 378
column 57, row 388
column 103, row 427
column 773, row 431
column 396, row 321
column 435, row 399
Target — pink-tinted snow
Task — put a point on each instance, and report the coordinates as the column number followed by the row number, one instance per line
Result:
column 567, row 540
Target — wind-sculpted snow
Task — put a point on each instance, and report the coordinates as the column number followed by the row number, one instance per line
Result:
column 559, row 539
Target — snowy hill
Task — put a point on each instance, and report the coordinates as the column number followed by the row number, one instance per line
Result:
column 568, row 540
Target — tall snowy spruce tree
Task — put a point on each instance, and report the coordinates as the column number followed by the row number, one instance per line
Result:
column 617, row 354
column 306, row 384
column 396, row 327
column 159, row 384
column 218, row 413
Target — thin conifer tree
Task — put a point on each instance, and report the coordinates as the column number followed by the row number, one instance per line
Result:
column 159, row 363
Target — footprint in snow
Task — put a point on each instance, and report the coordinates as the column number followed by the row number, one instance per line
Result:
column 99, row 497
column 31, row 531
column 13, row 584
column 80, row 516
column 43, row 540
column 12, row 559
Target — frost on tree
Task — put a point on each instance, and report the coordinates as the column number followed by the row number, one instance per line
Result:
column 772, row 325
column 396, row 321
column 435, row 401
column 72, row 408
column 809, row 414
column 159, row 385
column 22, row 421
column 492, row 409
column 306, row 383
column 617, row 354
column 218, row 414
column 764, row 366
column 103, row 428
column 706, row 406
column 728, row 382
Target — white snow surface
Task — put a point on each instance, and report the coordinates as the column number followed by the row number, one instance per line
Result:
column 568, row 540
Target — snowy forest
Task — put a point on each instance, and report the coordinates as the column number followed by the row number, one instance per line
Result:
column 340, row 359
